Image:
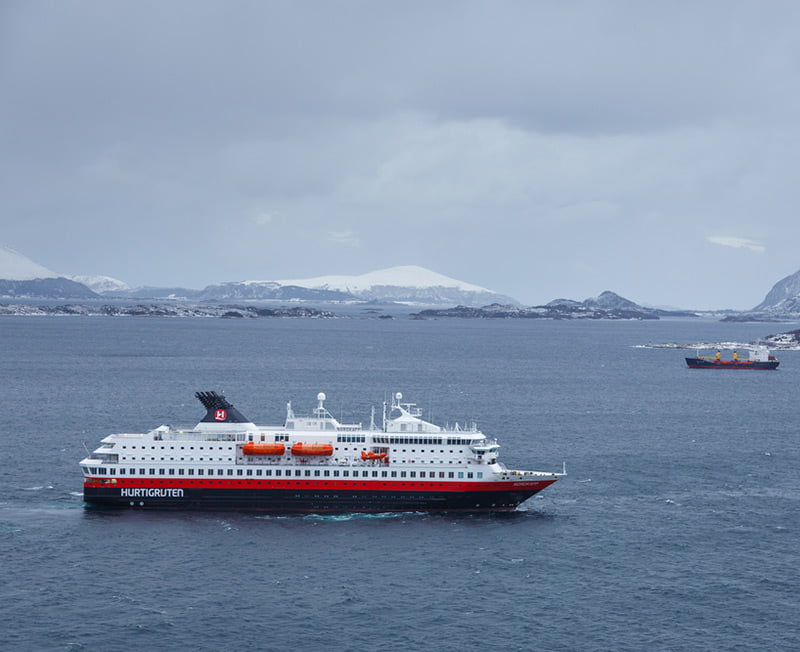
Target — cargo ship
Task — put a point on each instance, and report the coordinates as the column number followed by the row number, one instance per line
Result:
column 309, row 463
column 758, row 358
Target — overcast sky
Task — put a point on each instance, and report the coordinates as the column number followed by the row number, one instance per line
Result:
column 540, row 149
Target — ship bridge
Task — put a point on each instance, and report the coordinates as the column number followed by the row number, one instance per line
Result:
column 409, row 418
column 320, row 420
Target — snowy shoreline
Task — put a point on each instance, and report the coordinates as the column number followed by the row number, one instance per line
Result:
column 789, row 341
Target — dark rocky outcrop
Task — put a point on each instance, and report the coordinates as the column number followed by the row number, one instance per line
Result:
column 45, row 288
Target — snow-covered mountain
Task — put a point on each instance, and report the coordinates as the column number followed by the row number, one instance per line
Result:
column 784, row 297
column 612, row 304
column 16, row 267
column 268, row 290
column 20, row 278
column 609, row 300
column 407, row 283
column 101, row 284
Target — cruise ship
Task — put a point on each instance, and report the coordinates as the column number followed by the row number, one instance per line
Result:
column 310, row 463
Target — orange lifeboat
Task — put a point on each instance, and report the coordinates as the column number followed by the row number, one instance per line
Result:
column 372, row 456
column 312, row 449
column 251, row 448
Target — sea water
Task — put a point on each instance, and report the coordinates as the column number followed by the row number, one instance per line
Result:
column 677, row 527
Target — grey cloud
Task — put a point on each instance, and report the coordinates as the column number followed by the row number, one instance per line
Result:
column 535, row 148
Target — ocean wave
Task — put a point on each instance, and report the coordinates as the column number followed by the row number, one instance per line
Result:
column 353, row 516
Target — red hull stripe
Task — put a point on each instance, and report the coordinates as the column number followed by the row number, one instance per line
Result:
column 327, row 485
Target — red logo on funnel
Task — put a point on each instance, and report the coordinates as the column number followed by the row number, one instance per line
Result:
column 220, row 415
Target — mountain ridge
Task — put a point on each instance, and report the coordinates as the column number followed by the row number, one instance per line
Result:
column 607, row 305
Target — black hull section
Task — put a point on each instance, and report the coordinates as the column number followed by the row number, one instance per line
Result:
column 701, row 363
column 289, row 501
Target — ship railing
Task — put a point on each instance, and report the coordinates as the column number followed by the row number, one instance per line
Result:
column 472, row 427
column 189, row 435
column 519, row 474
column 484, row 443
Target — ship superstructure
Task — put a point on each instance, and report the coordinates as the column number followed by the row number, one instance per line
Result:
column 311, row 463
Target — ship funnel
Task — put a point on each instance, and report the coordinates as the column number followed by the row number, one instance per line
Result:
column 219, row 410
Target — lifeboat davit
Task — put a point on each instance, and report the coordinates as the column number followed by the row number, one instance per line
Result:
column 372, row 456
column 251, row 448
column 312, row 449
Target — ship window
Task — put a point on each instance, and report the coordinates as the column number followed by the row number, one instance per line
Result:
column 450, row 475
column 441, row 474
column 230, row 471
column 469, row 474
column 268, row 472
column 191, row 471
column 258, row 471
column 374, row 474
column 308, row 472
column 480, row 474
column 345, row 473
column 335, row 474
column 394, row 474
column 298, row 472
column 181, row 471
column 238, row 471
column 133, row 471
column 413, row 474
column 199, row 471
column 316, row 472
column 162, row 472
column 152, row 471
column 384, row 474
column 220, row 472
column 172, row 471
column 422, row 474
column 326, row 473
column 277, row 472
column 121, row 471
column 402, row 474
column 460, row 474
column 249, row 471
